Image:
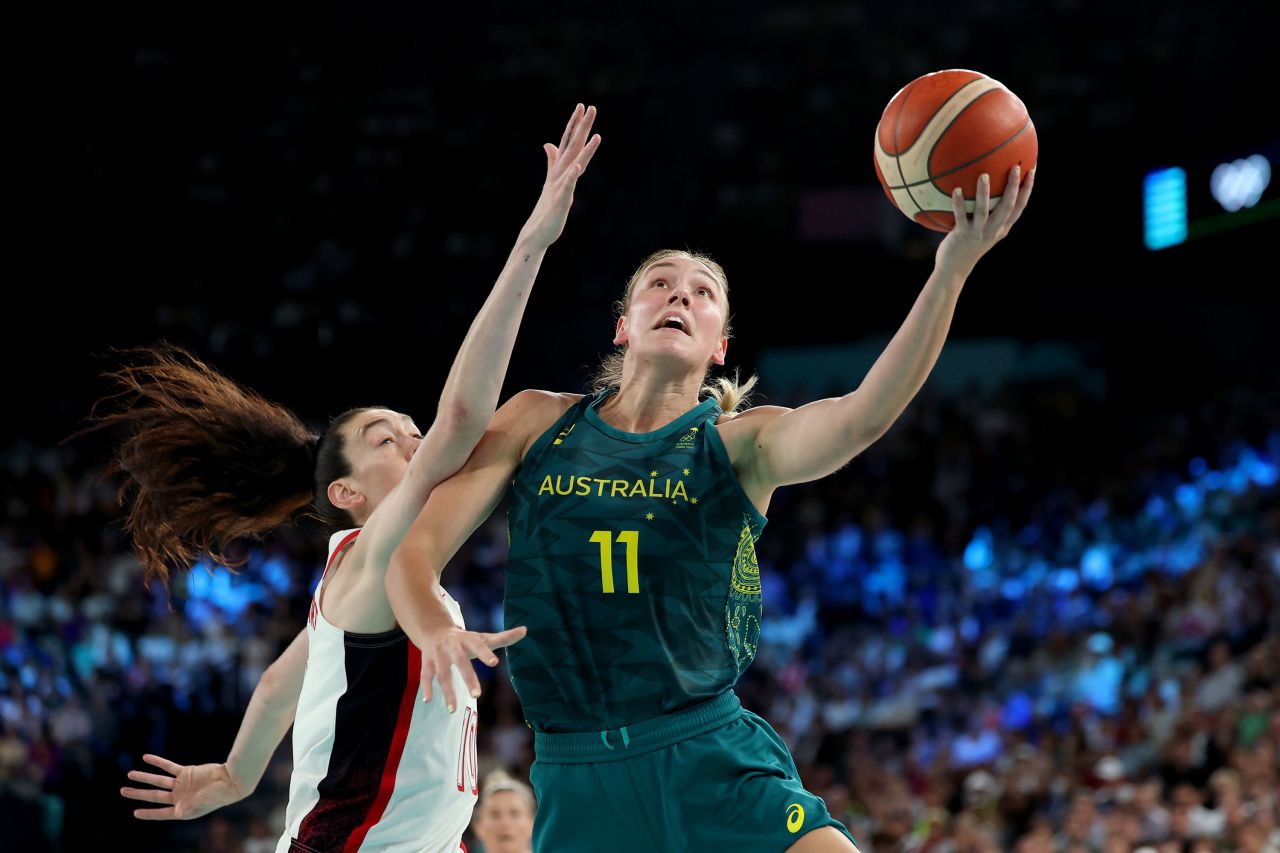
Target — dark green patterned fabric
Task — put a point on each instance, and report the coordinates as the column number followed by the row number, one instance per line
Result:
column 733, row 788
column 633, row 565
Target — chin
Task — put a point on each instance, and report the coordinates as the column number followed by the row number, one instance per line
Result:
column 675, row 352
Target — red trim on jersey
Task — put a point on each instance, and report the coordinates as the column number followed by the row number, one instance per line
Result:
column 388, row 783
column 346, row 540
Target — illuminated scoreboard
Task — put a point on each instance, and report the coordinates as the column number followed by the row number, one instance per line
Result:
column 1181, row 203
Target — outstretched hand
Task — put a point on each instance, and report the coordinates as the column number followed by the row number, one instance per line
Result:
column 190, row 791
column 565, row 164
column 974, row 236
column 455, row 647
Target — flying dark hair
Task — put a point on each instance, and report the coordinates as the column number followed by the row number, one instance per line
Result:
column 207, row 461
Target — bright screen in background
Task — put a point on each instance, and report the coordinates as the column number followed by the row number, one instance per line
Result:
column 1164, row 208
column 1217, row 194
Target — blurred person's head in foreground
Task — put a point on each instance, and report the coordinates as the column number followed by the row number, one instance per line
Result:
column 503, row 818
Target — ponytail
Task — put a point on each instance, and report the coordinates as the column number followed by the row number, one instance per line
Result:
column 730, row 394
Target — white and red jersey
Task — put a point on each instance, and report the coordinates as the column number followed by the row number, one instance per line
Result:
column 375, row 767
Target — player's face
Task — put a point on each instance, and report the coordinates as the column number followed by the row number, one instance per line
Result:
column 678, row 310
column 379, row 444
column 504, row 823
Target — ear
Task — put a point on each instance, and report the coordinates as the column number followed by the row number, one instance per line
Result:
column 343, row 496
column 722, row 350
column 620, row 335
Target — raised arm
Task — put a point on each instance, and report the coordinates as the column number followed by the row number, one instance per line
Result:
column 456, row 507
column 796, row 446
column 475, row 380
column 193, row 790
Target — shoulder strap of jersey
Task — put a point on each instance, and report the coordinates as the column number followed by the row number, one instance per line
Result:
column 559, row 430
column 713, row 414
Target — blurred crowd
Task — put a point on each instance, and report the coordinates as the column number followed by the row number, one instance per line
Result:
column 992, row 631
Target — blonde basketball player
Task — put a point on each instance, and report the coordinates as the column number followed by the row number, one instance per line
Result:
column 633, row 515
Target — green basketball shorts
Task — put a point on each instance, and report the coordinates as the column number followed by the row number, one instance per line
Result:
column 710, row 777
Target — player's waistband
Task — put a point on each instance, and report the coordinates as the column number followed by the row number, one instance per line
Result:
column 630, row 741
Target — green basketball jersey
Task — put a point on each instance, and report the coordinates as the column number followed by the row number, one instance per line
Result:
column 633, row 564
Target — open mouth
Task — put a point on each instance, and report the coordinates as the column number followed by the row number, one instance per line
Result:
column 672, row 321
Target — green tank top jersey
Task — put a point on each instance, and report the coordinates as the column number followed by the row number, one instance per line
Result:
column 633, row 565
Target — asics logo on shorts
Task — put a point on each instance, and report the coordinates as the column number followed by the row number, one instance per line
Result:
column 795, row 817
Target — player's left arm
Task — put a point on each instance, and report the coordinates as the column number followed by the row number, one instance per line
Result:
column 816, row 439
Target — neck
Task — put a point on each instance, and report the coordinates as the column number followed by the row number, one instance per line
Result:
column 644, row 402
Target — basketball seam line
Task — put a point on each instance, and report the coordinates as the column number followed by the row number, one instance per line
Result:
column 943, row 132
column 932, row 179
column 897, row 156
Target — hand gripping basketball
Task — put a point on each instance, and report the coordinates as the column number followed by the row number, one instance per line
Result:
column 944, row 130
column 974, row 235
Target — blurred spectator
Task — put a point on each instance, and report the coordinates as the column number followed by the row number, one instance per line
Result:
column 503, row 821
column 1221, row 683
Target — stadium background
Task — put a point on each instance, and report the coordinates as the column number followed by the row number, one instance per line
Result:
column 1027, row 575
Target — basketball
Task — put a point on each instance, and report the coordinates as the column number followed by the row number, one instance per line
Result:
column 942, row 131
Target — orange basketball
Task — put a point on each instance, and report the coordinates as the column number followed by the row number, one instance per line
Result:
column 942, row 131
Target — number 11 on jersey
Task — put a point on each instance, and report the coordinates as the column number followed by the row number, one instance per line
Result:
column 630, row 538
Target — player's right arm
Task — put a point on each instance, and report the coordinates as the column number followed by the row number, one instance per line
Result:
column 455, row 509
column 193, row 790
column 472, row 388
